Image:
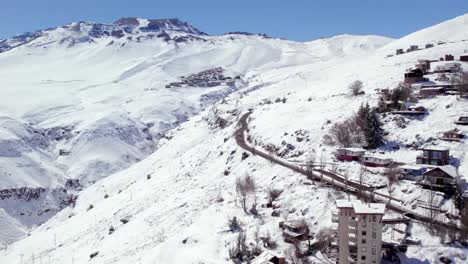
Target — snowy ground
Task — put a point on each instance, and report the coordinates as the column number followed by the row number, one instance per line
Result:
column 171, row 198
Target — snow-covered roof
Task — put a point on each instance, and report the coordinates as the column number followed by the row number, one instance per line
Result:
column 265, row 257
column 411, row 167
column 448, row 169
column 370, row 208
column 438, row 148
column 344, row 204
column 353, row 149
column 362, row 208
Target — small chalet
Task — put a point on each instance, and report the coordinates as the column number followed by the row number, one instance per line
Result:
column 447, row 67
column 442, row 176
column 428, row 46
column 268, row 257
column 349, row 154
column 411, row 110
column 412, row 172
column 464, row 58
column 426, row 92
column 372, row 161
column 294, row 231
column 462, row 120
column 434, row 156
column 449, row 57
column 414, row 76
column 452, row 135
column 400, row 51
column 413, row 48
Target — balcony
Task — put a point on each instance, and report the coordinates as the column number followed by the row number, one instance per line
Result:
column 352, row 259
column 335, row 218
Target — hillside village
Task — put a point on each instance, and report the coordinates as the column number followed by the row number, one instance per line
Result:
column 351, row 158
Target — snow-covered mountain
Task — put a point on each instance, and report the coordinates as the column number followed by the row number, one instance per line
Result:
column 84, row 110
column 86, row 100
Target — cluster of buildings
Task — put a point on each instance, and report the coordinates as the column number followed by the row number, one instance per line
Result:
column 432, row 167
column 415, row 48
column 358, row 154
column 209, row 78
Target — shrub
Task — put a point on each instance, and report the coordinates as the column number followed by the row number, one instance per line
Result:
column 355, row 87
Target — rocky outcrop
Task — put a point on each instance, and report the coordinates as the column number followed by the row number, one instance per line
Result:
column 24, row 193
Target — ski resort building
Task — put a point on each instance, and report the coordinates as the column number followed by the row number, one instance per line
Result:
column 441, row 177
column 349, row 154
column 462, row 120
column 452, row 135
column 359, row 232
column 374, row 161
column 449, row 57
column 434, row 156
column 448, row 67
column 294, row 231
column 412, row 172
column 464, row 58
column 414, row 76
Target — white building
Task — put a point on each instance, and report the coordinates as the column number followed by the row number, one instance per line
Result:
column 360, row 232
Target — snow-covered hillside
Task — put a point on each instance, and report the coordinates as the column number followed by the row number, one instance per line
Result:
column 173, row 205
column 86, row 100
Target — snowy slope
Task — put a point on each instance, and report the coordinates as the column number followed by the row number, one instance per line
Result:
column 171, row 198
column 94, row 101
column 451, row 31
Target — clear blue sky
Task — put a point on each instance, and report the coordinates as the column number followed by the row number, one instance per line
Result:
column 294, row 19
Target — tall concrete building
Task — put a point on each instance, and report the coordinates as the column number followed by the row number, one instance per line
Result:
column 360, row 232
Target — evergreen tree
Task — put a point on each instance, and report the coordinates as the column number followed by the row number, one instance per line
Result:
column 374, row 131
column 362, row 117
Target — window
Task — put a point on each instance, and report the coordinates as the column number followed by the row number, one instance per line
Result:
column 363, row 257
column 374, row 235
column 374, row 218
column 363, row 249
column 364, row 223
column 363, row 241
column 374, row 226
column 426, row 153
column 374, row 243
column 364, row 233
column 373, row 251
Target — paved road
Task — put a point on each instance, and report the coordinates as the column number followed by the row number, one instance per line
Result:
column 363, row 192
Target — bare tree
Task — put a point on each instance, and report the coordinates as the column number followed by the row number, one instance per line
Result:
column 322, row 163
column 244, row 188
column 323, row 238
column 310, row 164
column 355, row 87
column 345, row 134
column 240, row 251
column 392, row 177
column 346, row 177
column 461, row 81
column 362, row 171
column 257, row 239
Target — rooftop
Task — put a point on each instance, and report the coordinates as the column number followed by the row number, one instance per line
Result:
column 437, row 148
column 362, row 208
column 448, row 169
column 265, row 257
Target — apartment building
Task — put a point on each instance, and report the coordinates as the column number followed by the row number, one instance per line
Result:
column 360, row 232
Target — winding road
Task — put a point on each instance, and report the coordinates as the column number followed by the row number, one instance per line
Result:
column 363, row 192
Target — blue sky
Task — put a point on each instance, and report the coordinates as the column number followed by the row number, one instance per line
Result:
column 295, row 19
